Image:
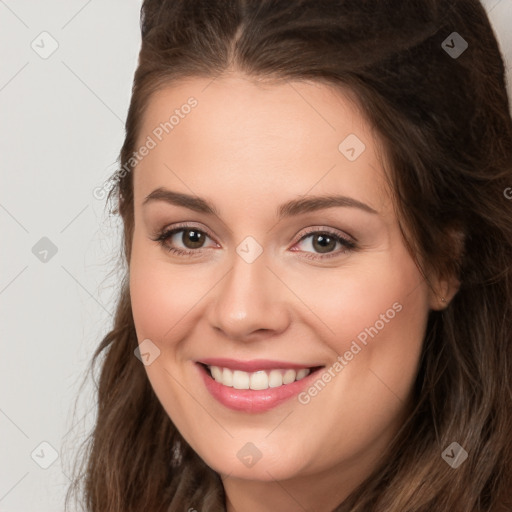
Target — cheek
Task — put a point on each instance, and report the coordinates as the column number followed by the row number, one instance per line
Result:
column 376, row 320
column 373, row 318
column 161, row 295
column 362, row 302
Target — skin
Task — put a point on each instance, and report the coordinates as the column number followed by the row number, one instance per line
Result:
column 247, row 148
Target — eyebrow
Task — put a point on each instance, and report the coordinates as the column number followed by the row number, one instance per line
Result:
column 288, row 209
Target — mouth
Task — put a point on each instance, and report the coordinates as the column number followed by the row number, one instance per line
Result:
column 254, row 386
column 258, row 380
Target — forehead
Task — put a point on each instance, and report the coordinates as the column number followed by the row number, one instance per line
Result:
column 249, row 136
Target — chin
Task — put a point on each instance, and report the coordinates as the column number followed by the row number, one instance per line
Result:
column 248, row 462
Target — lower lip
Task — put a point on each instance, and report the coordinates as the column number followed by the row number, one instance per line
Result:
column 249, row 400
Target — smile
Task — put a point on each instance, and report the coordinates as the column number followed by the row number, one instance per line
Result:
column 254, row 386
column 262, row 379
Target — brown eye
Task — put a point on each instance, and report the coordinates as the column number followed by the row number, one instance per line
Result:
column 323, row 243
column 184, row 240
column 192, row 238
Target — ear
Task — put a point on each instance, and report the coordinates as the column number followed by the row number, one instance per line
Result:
column 444, row 287
column 442, row 292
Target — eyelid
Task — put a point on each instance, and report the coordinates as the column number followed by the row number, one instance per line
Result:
column 187, row 225
column 324, row 229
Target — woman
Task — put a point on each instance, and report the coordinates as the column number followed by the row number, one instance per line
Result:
column 317, row 312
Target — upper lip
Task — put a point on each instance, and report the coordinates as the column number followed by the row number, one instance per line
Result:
column 254, row 364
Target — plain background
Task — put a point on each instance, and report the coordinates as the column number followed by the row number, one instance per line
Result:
column 61, row 128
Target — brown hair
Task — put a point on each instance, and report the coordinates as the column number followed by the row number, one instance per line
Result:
column 446, row 133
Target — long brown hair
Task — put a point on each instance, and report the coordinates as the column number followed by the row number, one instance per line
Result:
column 444, row 123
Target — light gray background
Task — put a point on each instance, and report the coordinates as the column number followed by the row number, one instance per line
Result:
column 61, row 130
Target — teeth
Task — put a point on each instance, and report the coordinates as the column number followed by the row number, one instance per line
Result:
column 259, row 380
column 256, row 380
column 275, row 379
column 289, row 376
column 302, row 373
column 227, row 377
column 240, row 379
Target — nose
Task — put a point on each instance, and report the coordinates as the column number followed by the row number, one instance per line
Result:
column 250, row 303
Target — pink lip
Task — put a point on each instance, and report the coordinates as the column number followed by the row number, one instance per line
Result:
column 253, row 365
column 249, row 400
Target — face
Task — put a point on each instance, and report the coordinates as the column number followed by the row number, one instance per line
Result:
column 241, row 279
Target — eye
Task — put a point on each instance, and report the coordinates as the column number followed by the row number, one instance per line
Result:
column 324, row 242
column 190, row 237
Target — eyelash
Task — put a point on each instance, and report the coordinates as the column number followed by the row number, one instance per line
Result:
column 161, row 238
